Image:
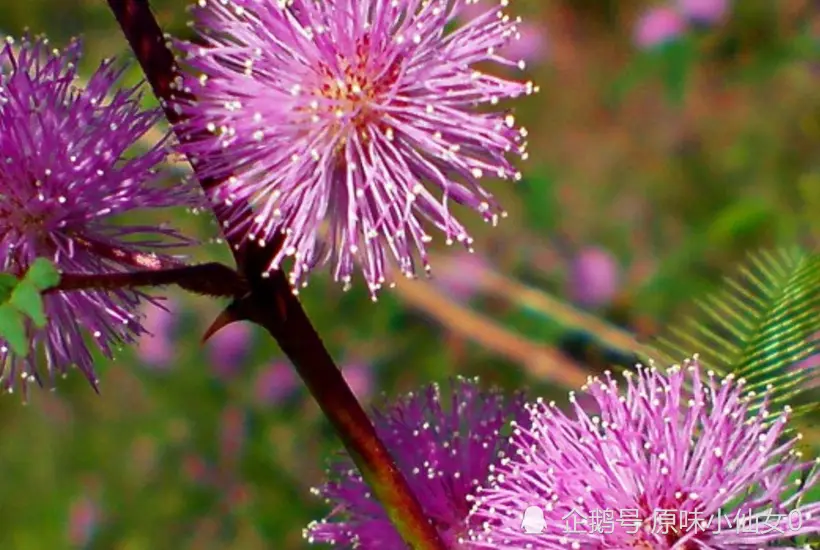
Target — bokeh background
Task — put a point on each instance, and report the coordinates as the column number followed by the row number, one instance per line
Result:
column 667, row 141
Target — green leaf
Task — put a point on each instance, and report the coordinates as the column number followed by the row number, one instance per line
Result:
column 813, row 494
column 21, row 299
column 673, row 61
column 809, row 189
column 13, row 329
column 631, row 76
column 27, row 300
column 804, row 45
column 740, row 220
column 540, row 207
column 758, row 326
column 677, row 60
column 42, row 274
column 7, row 284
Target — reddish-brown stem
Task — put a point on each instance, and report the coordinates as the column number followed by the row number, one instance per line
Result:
column 272, row 304
column 210, row 279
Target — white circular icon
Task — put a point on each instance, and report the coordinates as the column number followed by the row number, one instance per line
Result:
column 533, row 521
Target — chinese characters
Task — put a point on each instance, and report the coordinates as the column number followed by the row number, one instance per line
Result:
column 670, row 521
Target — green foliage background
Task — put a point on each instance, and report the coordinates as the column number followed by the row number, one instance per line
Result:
column 678, row 161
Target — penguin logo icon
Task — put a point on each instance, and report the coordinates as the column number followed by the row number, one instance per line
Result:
column 533, row 521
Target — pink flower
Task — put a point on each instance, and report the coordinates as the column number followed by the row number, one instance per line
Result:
column 370, row 118
column 65, row 183
column 594, row 277
column 678, row 442
column 658, row 25
column 445, row 441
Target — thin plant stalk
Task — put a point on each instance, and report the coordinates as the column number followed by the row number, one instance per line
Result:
column 271, row 303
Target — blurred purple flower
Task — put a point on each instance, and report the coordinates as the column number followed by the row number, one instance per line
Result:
column 657, row 26
column 83, row 521
column 460, row 276
column 530, row 44
column 156, row 347
column 228, row 349
column 703, row 12
column 359, row 377
column 444, row 443
column 700, row 457
column 527, row 44
column 275, row 383
column 353, row 116
column 64, row 177
column 594, row 277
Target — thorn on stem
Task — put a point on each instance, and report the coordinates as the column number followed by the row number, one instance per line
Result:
column 230, row 315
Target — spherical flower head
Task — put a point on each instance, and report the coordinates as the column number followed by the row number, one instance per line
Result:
column 657, row 466
column 659, row 25
column 594, row 277
column 67, row 169
column 444, row 443
column 351, row 127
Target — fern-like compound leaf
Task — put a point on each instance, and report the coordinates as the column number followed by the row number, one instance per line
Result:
column 760, row 326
